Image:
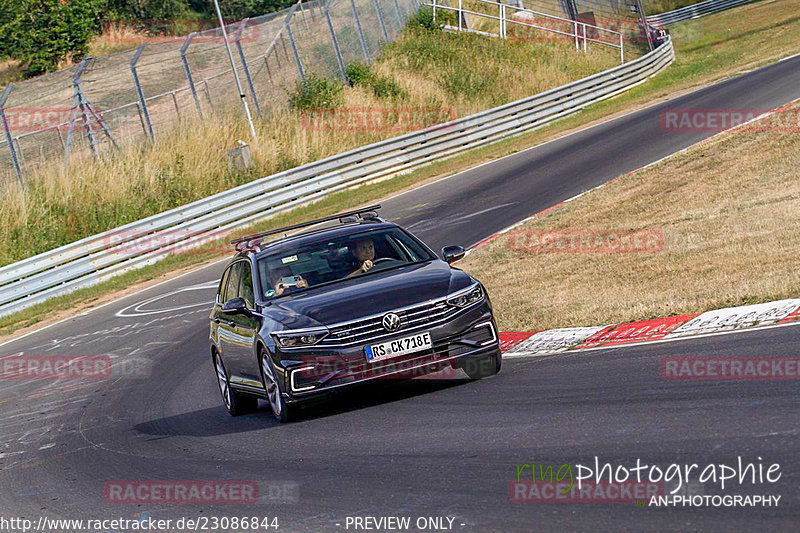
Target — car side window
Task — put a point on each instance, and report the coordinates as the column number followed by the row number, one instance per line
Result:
column 233, row 282
column 246, row 286
column 223, row 286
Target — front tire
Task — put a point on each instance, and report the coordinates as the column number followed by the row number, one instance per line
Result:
column 235, row 402
column 486, row 366
column 280, row 409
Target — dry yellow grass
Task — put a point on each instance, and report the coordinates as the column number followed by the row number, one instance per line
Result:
column 729, row 212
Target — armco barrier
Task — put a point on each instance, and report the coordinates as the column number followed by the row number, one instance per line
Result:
column 100, row 257
column 693, row 11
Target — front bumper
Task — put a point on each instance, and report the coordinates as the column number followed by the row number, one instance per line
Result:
column 471, row 334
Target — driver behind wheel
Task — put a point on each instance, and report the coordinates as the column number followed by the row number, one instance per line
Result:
column 364, row 253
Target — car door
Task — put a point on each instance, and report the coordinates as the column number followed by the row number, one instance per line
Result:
column 240, row 329
column 220, row 299
column 246, row 327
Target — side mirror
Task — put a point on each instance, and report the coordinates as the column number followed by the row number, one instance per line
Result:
column 234, row 306
column 452, row 254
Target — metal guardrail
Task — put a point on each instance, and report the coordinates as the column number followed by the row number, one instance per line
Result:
column 693, row 11
column 97, row 258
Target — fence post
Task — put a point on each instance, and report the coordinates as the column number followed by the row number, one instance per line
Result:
column 360, row 32
column 645, row 27
column 295, row 52
column 575, row 26
column 77, row 101
column 238, row 41
column 621, row 51
column 9, row 141
column 139, row 92
column 380, row 19
column 188, row 72
column 459, row 17
column 584, row 38
column 434, row 11
column 502, row 20
column 400, row 17
column 336, row 49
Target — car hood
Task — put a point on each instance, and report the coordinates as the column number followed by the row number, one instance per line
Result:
column 370, row 294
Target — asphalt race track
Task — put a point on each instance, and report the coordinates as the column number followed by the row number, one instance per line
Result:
column 427, row 448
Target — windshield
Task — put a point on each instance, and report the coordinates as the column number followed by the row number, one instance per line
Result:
column 293, row 269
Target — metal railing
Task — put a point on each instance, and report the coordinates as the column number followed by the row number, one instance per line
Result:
column 693, row 11
column 580, row 32
column 94, row 259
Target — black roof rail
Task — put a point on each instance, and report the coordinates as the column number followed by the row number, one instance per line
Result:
column 365, row 213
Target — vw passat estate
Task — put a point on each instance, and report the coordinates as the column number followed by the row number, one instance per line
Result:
column 352, row 300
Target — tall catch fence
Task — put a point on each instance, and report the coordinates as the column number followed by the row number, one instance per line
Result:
column 104, row 103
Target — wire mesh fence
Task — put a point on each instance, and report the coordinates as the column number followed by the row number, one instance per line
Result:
column 135, row 96
column 105, row 103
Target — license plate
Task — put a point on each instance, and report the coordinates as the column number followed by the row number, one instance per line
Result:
column 398, row 347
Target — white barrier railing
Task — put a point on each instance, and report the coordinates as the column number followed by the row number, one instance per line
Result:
column 580, row 32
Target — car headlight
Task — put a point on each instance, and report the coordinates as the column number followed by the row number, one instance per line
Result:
column 299, row 339
column 466, row 297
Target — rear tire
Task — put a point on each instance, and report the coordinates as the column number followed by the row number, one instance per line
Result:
column 235, row 402
column 486, row 366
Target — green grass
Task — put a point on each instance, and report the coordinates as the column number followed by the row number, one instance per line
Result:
column 707, row 49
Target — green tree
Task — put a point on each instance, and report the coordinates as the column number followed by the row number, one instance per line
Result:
column 42, row 33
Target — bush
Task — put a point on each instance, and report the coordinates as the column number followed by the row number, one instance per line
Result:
column 41, row 33
column 424, row 19
column 316, row 93
column 381, row 86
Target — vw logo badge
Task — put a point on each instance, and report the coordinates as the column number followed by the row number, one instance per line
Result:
column 391, row 322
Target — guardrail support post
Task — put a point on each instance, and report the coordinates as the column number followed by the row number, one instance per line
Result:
column 360, row 32
column 7, row 131
column 380, row 19
column 188, row 72
column 339, row 59
column 459, row 15
column 140, row 93
column 238, row 41
column 621, row 51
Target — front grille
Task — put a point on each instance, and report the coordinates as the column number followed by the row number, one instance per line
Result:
column 332, row 372
column 369, row 329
